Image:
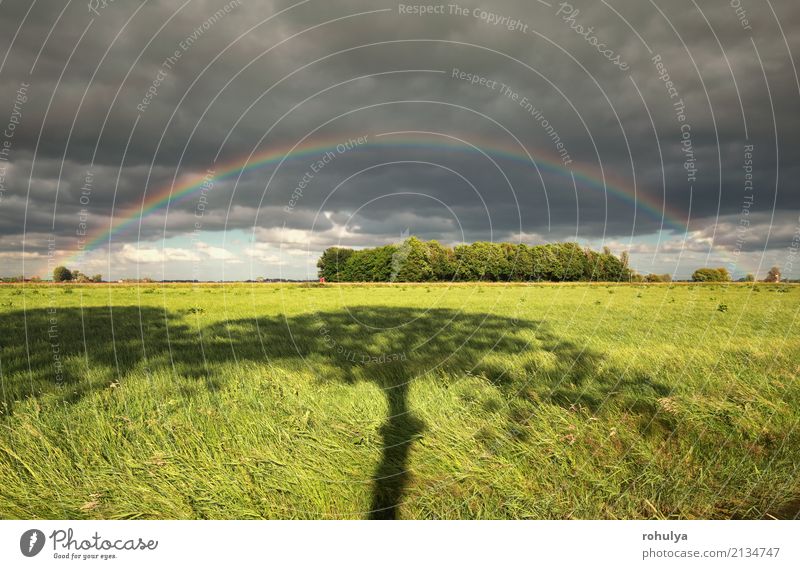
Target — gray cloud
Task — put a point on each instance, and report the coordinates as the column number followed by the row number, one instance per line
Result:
column 234, row 89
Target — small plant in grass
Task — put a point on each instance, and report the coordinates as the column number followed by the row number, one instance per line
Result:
column 197, row 310
column 722, row 307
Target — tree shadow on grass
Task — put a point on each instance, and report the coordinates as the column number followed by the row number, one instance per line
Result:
column 392, row 346
column 66, row 353
column 582, row 379
column 386, row 345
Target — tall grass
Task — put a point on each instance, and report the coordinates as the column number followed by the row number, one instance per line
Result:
column 469, row 401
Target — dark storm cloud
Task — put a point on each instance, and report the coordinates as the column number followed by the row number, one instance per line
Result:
column 232, row 87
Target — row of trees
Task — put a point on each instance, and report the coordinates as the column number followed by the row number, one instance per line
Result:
column 415, row 260
column 62, row 274
column 20, row 279
column 721, row 274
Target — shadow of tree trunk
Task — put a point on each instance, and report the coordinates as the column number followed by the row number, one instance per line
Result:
column 392, row 474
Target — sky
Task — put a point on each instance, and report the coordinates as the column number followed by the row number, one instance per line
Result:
column 230, row 140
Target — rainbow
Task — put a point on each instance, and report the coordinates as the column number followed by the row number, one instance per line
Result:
column 547, row 162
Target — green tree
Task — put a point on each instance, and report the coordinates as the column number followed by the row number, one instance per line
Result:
column 543, row 263
column 411, row 262
column 481, row 261
column 773, row 275
column 62, row 274
column 625, row 259
column 703, row 275
column 707, row 275
column 442, row 261
column 332, row 262
column 570, row 262
column 605, row 266
column 496, row 266
column 79, row 277
column 468, row 268
column 519, row 260
column 381, row 263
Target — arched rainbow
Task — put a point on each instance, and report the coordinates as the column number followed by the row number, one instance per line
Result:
column 189, row 185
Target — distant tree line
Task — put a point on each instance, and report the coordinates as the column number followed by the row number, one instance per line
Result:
column 415, row 260
column 20, row 279
column 721, row 274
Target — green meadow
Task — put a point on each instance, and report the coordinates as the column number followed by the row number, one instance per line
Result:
column 399, row 401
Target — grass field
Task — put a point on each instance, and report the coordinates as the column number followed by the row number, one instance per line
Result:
column 465, row 401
